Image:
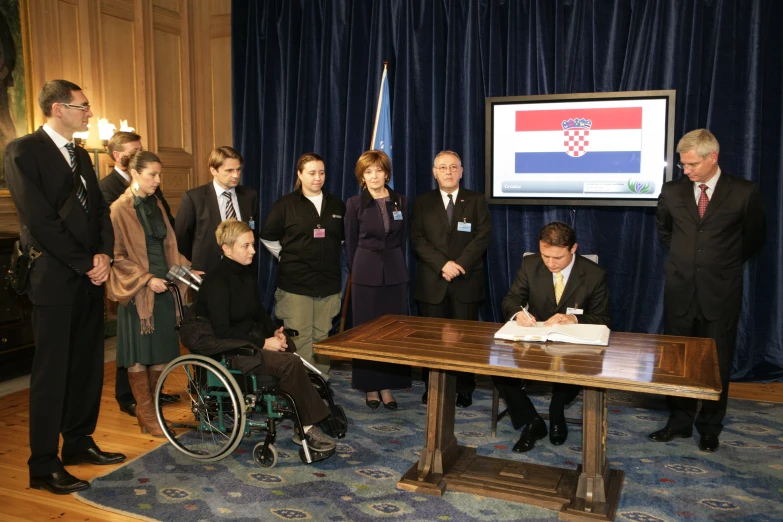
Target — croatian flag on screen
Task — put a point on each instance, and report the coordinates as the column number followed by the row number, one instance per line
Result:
column 576, row 141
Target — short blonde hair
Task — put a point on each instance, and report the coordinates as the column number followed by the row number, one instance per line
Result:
column 701, row 141
column 229, row 231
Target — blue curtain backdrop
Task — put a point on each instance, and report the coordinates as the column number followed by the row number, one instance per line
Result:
column 306, row 75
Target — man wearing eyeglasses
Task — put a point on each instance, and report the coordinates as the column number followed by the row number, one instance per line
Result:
column 712, row 223
column 62, row 216
column 450, row 232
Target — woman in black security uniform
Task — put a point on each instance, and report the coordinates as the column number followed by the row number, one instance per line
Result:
column 304, row 230
column 229, row 299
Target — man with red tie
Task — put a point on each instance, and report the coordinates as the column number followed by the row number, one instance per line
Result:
column 712, row 223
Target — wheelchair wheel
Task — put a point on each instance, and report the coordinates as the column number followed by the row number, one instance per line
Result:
column 209, row 421
column 265, row 457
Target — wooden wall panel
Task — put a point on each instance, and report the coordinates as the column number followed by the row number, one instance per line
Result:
column 70, row 41
column 162, row 64
column 221, row 92
column 118, row 44
column 168, row 91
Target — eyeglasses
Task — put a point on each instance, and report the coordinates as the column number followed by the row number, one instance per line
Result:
column 683, row 166
column 444, row 168
column 83, row 108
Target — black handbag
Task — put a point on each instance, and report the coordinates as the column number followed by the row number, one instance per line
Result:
column 19, row 270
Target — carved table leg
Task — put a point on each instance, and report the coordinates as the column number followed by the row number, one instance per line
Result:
column 440, row 448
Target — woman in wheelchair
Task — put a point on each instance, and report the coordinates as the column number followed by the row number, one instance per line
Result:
column 144, row 248
column 229, row 299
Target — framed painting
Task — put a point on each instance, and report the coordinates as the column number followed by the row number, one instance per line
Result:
column 16, row 111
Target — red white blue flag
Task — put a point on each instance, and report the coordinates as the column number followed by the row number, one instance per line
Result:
column 574, row 141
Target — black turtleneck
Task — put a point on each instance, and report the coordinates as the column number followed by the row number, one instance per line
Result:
column 229, row 298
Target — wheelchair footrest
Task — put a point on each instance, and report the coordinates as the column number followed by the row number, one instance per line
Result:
column 315, row 456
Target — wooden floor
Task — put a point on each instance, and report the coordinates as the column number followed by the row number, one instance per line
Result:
column 119, row 432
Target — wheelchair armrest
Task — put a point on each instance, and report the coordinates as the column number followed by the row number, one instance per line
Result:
column 238, row 351
column 290, row 332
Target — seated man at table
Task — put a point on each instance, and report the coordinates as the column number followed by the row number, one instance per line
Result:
column 559, row 287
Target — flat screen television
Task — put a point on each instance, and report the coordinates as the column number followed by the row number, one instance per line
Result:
column 608, row 148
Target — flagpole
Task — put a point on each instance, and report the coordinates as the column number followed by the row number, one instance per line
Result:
column 378, row 109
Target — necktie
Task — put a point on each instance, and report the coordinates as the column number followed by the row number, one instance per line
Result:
column 450, row 210
column 559, row 287
column 230, row 212
column 703, row 200
column 81, row 192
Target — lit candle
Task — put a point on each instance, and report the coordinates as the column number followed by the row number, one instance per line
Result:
column 124, row 126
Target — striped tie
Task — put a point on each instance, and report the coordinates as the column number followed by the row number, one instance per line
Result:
column 81, row 192
column 230, row 212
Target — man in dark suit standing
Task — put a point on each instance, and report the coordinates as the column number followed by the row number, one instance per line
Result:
column 121, row 146
column 203, row 208
column 450, row 232
column 63, row 217
column 559, row 287
column 712, row 223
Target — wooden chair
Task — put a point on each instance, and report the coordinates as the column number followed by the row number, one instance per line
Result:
column 496, row 396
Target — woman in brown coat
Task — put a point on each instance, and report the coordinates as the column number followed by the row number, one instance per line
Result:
column 144, row 248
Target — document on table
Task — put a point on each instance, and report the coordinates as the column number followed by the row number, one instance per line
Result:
column 596, row 334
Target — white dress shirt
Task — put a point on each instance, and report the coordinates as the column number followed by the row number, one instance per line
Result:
column 222, row 201
column 710, row 187
column 445, row 197
column 60, row 142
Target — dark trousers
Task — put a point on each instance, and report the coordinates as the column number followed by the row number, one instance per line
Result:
column 682, row 410
column 451, row 308
column 520, row 407
column 66, row 380
column 294, row 380
column 122, row 389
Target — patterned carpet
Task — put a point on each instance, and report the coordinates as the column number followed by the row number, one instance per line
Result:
column 743, row 481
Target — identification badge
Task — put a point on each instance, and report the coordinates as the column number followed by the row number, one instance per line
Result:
column 319, row 232
column 397, row 215
column 574, row 311
column 463, row 226
column 252, row 224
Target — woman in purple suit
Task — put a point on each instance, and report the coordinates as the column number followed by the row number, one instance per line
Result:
column 376, row 230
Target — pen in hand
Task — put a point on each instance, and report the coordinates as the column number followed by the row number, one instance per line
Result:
column 530, row 318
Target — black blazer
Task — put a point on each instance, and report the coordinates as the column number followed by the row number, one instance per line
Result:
column 40, row 181
column 435, row 242
column 114, row 185
column 706, row 255
column 586, row 289
column 376, row 258
column 198, row 218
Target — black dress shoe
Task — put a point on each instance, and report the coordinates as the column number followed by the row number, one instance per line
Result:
column 391, row 405
column 464, row 400
column 128, row 407
column 372, row 403
column 59, row 483
column 667, row 434
column 93, row 456
column 532, row 432
column 708, row 443
column 424, row 398
column 167, row 397
column 558, row 432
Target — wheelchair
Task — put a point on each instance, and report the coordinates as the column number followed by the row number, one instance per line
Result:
column 220, row 406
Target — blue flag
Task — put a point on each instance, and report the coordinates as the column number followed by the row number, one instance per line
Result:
column 382, row 132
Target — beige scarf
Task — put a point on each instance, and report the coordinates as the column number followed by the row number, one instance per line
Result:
column 130, row 273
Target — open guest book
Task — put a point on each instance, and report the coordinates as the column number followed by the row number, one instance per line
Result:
column 597, row 334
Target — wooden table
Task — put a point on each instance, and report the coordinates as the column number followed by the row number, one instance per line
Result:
column 658, row 364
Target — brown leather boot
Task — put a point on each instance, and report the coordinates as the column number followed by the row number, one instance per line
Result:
column 164, row 397
column 145, row 410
